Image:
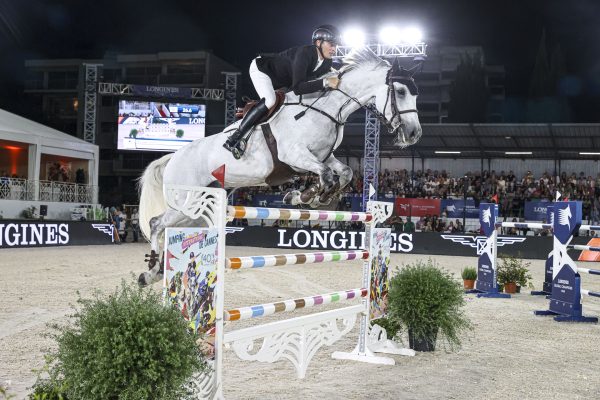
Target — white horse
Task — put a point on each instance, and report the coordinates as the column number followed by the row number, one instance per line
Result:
column 307, row 129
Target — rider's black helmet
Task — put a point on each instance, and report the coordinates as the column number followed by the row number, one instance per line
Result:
column 327, row 32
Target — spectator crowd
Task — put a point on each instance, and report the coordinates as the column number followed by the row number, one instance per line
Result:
column 512, row 190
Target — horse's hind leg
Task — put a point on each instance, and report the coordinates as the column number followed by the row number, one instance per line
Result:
column 157, row 228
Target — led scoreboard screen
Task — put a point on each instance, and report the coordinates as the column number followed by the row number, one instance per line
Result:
column 157, row 126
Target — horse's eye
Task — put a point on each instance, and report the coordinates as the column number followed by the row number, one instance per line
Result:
column 402, row 92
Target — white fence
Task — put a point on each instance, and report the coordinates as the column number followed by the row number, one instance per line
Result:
column 64, row 192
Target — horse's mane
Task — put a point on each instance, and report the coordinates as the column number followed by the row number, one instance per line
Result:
column 362, row 57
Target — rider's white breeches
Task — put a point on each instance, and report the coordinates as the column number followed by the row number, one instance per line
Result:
column 263, row 85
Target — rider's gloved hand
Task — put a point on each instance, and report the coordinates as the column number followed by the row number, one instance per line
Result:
column 332, row 82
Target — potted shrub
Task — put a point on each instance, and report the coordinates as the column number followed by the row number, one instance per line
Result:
column 513, row 273
column 469, row 275
column 427, row 302
column 125, row 345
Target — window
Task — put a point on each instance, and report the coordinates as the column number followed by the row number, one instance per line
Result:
column 196, row 68
column 63, row 80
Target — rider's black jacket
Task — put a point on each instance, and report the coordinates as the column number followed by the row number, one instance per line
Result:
column 293, row 69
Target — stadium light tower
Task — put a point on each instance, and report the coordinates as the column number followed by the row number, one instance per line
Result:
column 392, row 42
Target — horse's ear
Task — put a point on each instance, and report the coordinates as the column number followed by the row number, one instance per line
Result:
column 418, row 67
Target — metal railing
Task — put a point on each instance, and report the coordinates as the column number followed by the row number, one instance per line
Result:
column 65, row 192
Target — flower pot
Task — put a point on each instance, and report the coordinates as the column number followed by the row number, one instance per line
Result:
column 422, row 344
column 510, row 287
column 469, row 283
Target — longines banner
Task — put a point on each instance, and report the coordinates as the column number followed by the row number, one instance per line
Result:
column 531, row 247
column 20, row 233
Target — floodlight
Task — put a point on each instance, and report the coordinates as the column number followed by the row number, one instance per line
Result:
column 390, row 35
column 354, row 37
column 412, row 35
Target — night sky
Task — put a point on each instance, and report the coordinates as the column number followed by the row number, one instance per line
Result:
column 509, row 32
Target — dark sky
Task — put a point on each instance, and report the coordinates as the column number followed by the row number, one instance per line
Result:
column 509, row 30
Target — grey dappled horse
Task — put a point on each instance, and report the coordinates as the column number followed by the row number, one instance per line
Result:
column 307, row 129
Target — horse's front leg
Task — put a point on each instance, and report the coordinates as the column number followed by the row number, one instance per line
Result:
column 344, row 174
column 305, row 160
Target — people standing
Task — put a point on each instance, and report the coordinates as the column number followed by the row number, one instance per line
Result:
column 135, row 224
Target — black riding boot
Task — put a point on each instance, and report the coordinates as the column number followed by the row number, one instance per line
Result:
column 236, row 143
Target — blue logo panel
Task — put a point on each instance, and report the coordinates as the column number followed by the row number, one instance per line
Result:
column 567, row 218
column 488, row 213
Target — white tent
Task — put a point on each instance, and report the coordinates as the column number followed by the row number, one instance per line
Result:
column 42, row 142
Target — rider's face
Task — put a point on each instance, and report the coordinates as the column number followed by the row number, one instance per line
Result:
column 328, row 49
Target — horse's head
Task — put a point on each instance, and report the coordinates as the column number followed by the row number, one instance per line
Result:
column 393, row 88
column 396, row 105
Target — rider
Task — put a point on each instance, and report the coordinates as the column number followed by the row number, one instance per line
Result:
column 296, row 69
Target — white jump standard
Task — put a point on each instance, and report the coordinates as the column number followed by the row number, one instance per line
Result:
column 566, row 297
column 296, row 339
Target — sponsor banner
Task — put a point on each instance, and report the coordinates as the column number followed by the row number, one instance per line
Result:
column 456, row 208
column 161, row 91
column 380, row 267
column 191, row 277
column 536, row 210
column 417, row 207
column 528, row 247
column 21, row 233
column 268, row 200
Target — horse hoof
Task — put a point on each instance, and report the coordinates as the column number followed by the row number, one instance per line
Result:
column 144, row 279
column 291, row 198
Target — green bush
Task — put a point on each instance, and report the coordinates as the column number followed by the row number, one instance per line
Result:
column 179, row 133
column 126, row 345
column 512, row 269
column 133, row 133
column 428, row 301
column 469, row 273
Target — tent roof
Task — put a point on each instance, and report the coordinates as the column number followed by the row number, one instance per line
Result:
column 18, row 129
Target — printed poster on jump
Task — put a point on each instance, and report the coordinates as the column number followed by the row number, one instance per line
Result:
column 380, row 263
column 191, row 277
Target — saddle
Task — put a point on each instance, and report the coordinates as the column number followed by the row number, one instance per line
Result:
column 279, row 100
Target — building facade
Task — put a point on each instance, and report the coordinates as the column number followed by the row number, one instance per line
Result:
column 439, row 71
column 55, row 90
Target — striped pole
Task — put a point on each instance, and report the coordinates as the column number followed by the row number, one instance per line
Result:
column 293, row 259
column 588, row 271
column 590, row 293
column 589, row 227
column 523, row 225
column 583, row 247
column 293, row 304
column 295, row 215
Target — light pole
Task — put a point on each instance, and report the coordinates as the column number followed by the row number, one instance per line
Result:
column 392, row 43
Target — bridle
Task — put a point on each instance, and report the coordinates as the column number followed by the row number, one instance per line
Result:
column 394, row 74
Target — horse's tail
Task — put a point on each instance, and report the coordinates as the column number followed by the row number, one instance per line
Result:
column 152, row 201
